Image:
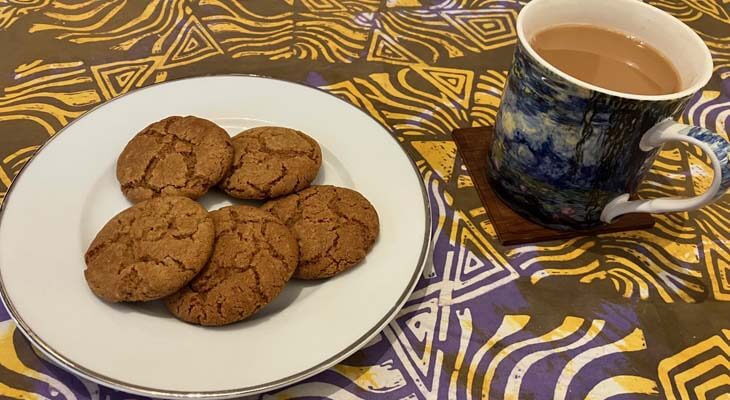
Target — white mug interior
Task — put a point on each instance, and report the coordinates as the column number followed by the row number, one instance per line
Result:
column 670, row 36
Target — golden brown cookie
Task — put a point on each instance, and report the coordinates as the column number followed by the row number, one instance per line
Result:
column 335, row 228
column 270, row 162
column 253, row 258
column 181, row 156
column 149, row 250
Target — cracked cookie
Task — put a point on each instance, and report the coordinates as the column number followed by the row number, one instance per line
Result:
column 253, row 257
column 335, row 228
column 270, row 162
column 149, row 250
column 183, row 156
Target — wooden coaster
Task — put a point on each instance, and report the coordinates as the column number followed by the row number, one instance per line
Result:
column 512, row 228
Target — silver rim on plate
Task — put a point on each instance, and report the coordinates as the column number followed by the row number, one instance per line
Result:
column 74, row 367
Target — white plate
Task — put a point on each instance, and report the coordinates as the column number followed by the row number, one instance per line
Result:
column 68, row 191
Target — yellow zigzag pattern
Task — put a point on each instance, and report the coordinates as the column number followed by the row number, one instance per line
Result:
column 487, row 98
column 701, row 371
column 12, row 10
column 714, row 221
column 428, row 30
column 501, row 350
column 710, row 8
column 9, row 360
column 15, row 162
column 244, row 33
column 105, row 21
column 341, row 5
column 665, row 267
column 411, row 111
column 337, row 35
column 48, row 94
column 678, row 9
column 474, row 4
column 439, row 34
column 334, row 37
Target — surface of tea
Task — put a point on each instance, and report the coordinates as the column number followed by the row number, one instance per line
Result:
column 607, row 59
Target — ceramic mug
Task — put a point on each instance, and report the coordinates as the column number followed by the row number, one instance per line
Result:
column 567, row 154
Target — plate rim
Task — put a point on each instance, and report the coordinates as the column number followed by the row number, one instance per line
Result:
column 75, row 368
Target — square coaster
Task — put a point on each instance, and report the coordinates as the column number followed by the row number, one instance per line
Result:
column 512, row 228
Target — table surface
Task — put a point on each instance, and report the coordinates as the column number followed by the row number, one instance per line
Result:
column 642, row 314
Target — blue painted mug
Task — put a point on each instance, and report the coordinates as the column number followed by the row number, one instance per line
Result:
column 567, row 154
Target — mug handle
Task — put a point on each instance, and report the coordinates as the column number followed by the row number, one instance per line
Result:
column 716, row 147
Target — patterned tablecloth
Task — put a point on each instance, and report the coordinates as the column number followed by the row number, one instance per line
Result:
column 634, row 315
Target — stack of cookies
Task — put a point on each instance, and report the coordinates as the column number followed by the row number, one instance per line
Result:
column 219, row 267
